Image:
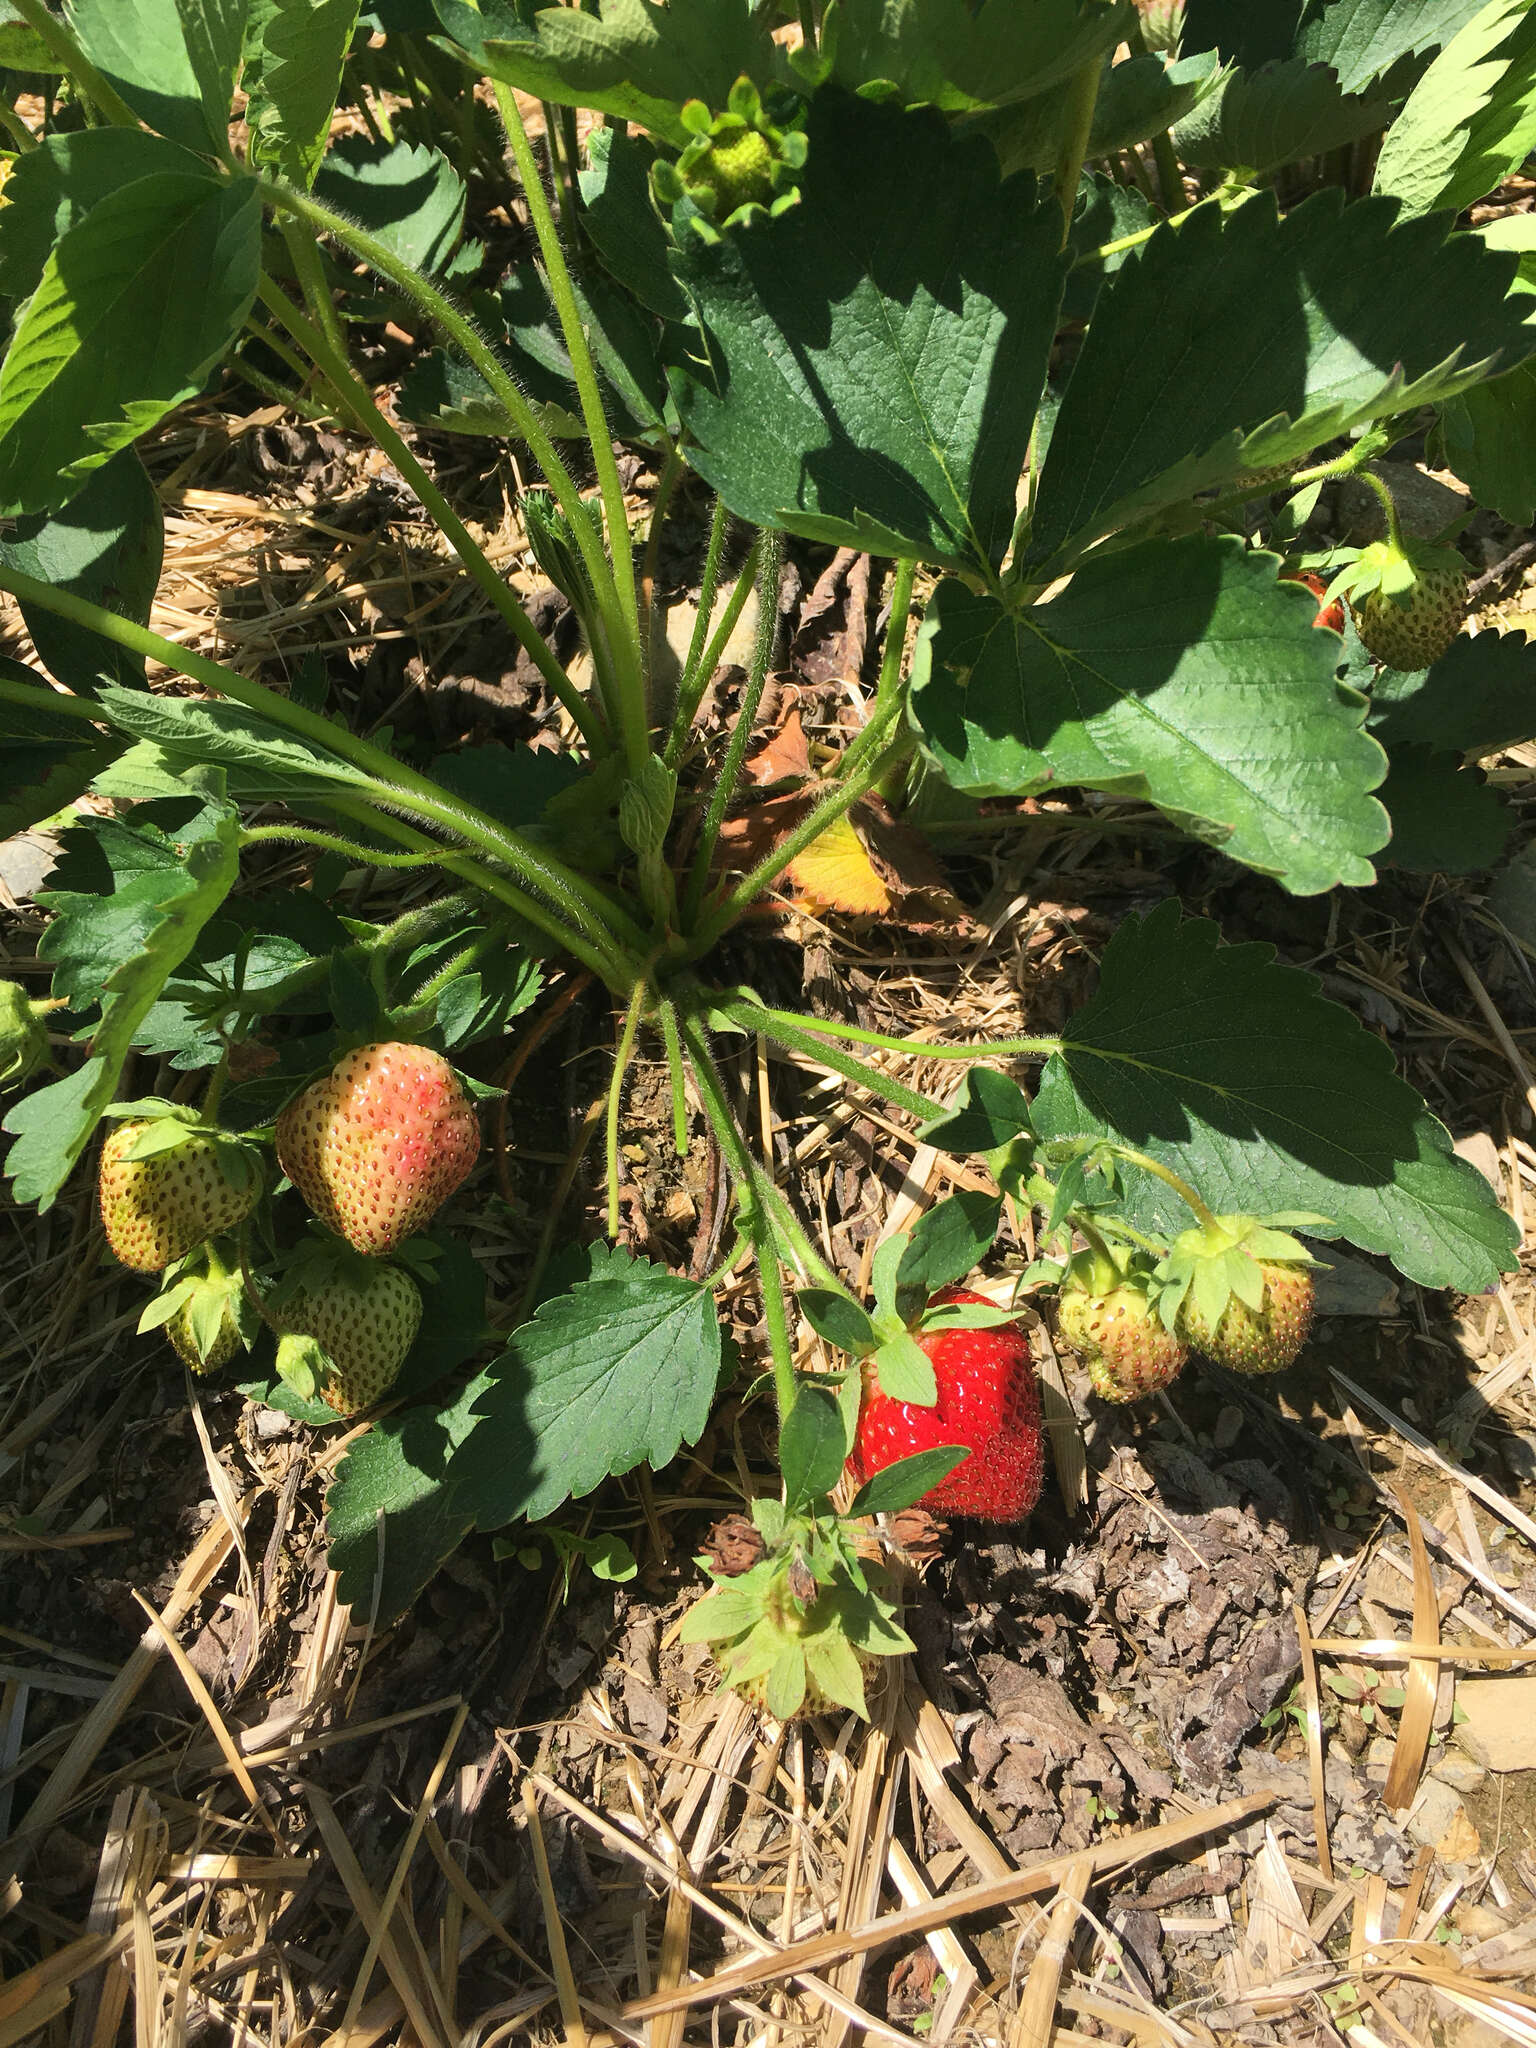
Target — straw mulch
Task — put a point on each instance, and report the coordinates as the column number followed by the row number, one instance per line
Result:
column 1164, row 1769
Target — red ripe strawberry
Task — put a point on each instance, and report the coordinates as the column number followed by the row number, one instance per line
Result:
column 380, row 1143
column 1121, row 1339
column 365, row 1325
column 1265, row 1339
column 157, row 1209
column 989, row 1401
column 1329, row 615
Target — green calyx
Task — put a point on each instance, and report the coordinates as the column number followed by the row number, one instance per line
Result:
column 203, row 1308
column 1396, row 571
column 800, row 1631
column 1212, row 1263
column 738, row 162
column 169, row 1125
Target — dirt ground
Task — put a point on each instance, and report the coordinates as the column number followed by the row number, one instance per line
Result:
column 1088, row 1809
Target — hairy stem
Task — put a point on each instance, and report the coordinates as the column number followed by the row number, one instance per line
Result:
column 770, row 563
column 704, row 660
column 840, row 798
column 1181, row 1187
column 855, row 1034
column 672, row 1040
column 794, row 1039
column 622, row 1058
column 383, row 780
column 888, row 690
column 627, row 648
column 461, row 331
column 332, row 842
column 356, row 396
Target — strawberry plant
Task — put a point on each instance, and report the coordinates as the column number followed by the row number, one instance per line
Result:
column 1065, row 311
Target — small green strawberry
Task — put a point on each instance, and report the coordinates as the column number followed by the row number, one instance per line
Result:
column 1108, row 1317
column 1408, row 601
column 803, row 1629
column 1239, row 1290
column 1262, row 1339
column 23, row 1038
column 168, row 1182
column 348, row 1323
column 815, row 1700
column 203, row 1309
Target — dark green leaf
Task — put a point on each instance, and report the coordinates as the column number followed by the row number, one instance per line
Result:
column 1445, row 818
column 1256, row 121
column 1236, row 1072
column 407, row 196
column 1176, row 670
column 391, row 1514
column 876, row 364
column 263, row 760
column 955, row 55
column 812, row 1446
column 1235, row 340
column 53, row 1126
column 633, row 58
column 898, row 1486
column 619, row 1372
column 1358, row 39
column 1480, row 695
column 46, row 758
column 112, row 337
column 21, row 47
column 1461, row 128
column 624, row 226
column 838, row 1319
column 993, row 1111
column 105, row 545
column 948, row 1241
column 56, row 184
column 173, row 61
column 298, row 58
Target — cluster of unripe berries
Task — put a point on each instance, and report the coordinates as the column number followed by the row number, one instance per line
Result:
column 375, row 1148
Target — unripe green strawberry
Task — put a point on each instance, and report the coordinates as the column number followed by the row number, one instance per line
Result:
column 365, row 1322
column 158, row 1208
column 1265, row 1339
column 815, row 1701
column 380, row 1143
column 1408, row 601
column 184, row 1342
column 1118, row 1336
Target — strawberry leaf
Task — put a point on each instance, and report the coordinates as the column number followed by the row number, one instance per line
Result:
column 897, row 1486
column 905, row 1371
column 157, row 902
column 948, row 1241
column 812, row 1446
column 875, row 365
column 620, row 1371
column 1235, row 1071
column 838, row 1319
column 1177, row 670
column 1239, row 339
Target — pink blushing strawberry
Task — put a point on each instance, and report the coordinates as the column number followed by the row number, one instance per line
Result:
column 380, row 1143
column 988, row 1401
